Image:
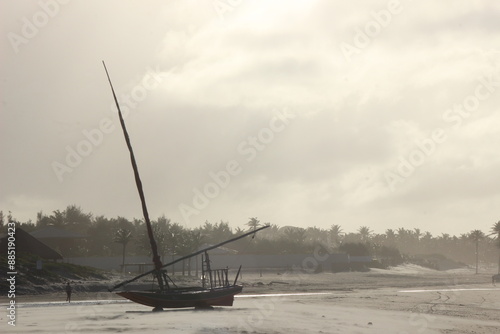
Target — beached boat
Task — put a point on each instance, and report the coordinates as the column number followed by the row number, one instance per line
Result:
column 185, row 297
column 216, row 289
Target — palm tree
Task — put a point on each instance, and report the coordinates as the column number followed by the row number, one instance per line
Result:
column 76, row 220
column 314, row 234
column 402, row 237
column 427, row 240
column 292, row 240
column 57, row 219
column 192, row 241
column 123, row 236
column 495, row 229
column 417, row 233
column 365, row 233
column 173, row 240
column 476, row 235
column 253, row 223
column 415, row 240
column 335, row 234
column 390, row 236
column 270, row 233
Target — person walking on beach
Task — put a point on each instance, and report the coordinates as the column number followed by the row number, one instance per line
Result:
column 68, row 293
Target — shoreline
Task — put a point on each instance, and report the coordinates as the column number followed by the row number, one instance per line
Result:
column 405, row 276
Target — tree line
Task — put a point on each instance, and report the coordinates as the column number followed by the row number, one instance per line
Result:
column 120, row 236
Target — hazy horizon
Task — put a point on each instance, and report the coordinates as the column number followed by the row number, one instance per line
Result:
column 313, row 113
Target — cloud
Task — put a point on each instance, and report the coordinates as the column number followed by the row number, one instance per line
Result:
column 224, row 78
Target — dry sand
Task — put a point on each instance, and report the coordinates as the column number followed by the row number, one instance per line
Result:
column 407, row 299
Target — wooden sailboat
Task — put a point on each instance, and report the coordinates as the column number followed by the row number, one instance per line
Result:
column 216, row 289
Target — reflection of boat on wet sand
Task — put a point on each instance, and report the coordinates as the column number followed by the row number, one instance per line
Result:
column 216, row 289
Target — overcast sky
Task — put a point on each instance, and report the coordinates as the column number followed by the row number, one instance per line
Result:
column 306, row 113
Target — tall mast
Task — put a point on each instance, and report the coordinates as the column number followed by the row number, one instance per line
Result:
column 154, row 249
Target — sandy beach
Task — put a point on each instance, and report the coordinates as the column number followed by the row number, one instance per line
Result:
column 406, row 299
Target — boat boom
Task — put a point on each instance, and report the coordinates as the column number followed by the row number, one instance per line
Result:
column 191, row 255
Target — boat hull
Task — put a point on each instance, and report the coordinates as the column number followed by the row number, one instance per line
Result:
column 189, row 297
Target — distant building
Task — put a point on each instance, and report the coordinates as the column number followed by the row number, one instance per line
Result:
column 26, row 243
column 62, row 240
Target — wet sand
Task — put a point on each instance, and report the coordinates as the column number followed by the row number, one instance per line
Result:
column 406, row 299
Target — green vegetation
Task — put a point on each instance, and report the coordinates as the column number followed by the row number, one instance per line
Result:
column 122, row 237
